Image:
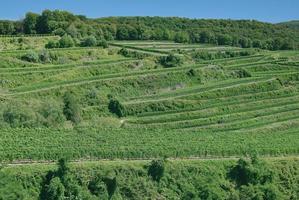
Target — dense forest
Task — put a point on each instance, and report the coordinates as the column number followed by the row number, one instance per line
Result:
column 241, row 33
column 294, row 24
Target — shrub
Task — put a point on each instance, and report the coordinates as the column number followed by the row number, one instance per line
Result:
column 66, row 41
column 59, row 32
column 170, row 61
column 10, row 188
column 89, row 41
column 103, row 43
column 44, row 56
column 52, row 115
column 254, row 172
column 52, row 44
column 55, row 190
column 111, row 186
column 116, row 108
column 31, row 56
column 71, row 108
column 19, row 117
column 156, row 169
column 98, row 187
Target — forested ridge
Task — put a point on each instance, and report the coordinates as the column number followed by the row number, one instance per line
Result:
column 294, row 24
column 241, row 33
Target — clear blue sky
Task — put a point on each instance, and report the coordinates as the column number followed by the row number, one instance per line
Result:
column 262, row 10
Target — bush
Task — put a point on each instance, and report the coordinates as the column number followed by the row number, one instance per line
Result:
column 55, row 190
column 156, row 169
column 66, row 41
column 18, row 117
column 44, row 56
column 31, row 56
column 10, row 188
column 103, row 43
column 59, row 32
column 116, row 108
column 170, row 61
column 52, row 44
column 52, row 115
column 89, row 41
column 71, row 108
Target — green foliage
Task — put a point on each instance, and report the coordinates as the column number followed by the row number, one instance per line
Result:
column 31, row 56
column 71, row 109
column 116, row 107
column 254, row 172
column 103, row 43
column 244, row 33
column 156, row 169
column 171, row 61
column 30, row 23
column 44, row 56
column 111, row 186
column 205, row 55
column 52, row 44
column 55, row 190
column 182, row 179
column 98, row 188
column 10, row 188
column 66, row 41
column 181, row 37
column 19, row 117
column 89, row 41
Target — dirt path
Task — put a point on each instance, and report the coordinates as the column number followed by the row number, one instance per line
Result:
column 82, row 161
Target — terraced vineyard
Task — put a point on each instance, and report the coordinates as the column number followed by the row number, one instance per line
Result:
column 233, row 102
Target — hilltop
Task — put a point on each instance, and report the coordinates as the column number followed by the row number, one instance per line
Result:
column 294, row 24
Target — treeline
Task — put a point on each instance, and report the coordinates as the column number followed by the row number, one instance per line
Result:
column 241, row 33
column 159, row 179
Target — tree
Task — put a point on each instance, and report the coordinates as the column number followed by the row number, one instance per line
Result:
column 224, row 39
column 71, row 108
column 122, row 33
column 156, row 169
column 116, row 107
column 30, row 23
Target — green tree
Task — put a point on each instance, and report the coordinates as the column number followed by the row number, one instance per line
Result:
column 156, row 169
column 116, row 107
column 30, row 23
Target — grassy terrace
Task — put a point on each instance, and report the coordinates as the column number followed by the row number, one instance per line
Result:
column 231, row 106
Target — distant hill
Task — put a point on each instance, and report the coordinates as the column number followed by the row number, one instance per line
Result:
column 291, row 24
